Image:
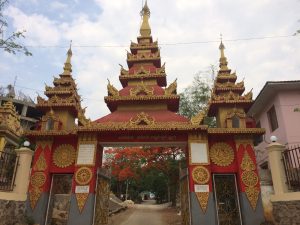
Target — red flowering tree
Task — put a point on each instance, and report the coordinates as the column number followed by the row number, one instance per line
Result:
column 130, row 164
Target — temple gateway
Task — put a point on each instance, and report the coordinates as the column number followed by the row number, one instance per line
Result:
column 220, row 184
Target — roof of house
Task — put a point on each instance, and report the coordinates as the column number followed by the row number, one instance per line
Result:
column 270, row 89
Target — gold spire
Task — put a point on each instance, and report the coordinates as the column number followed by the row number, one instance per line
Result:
column 223, row 59
column 68, row 65
column 145, row 29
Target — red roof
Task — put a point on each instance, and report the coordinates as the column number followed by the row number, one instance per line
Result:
column 158, row 116
column 156, row 90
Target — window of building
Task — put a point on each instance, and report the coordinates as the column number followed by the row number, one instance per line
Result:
column 50, row 124
column 272, row 118
column 259, row 138
column 235, row 121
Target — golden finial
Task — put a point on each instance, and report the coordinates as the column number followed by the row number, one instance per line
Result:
column 145, row 29
column 223, row 59
column 68, row 65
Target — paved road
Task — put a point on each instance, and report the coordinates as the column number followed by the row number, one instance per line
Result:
column 146, row 214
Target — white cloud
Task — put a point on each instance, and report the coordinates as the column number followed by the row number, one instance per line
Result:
column 39, row 28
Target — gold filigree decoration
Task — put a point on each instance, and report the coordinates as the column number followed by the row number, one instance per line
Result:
column 142, row 119
column 38, row 179
column 252, row 195
column 221, row 154
column 41, row 163
column 81, row 200
column 239, row 112
column 247, row 163
column 171, row 89
column 250, row 179
column 200, row 175
column 34, row 195
column 203, row 200
column 197, row 119
column 10, row 119
column 141, row 89
column 64, row 156
column 83, row 175
column 112, row 91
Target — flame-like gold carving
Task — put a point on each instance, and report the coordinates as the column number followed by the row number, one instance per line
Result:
column 34, row 196
column 111, row 90
column 203, row 200
column 197, row 119
column 141, row 89
column 252, row 195
column 171, row 89
column 250, row 179
column 142, row 119
column 64, row 156
column 41, row 163
column 81, row 200
column 83, row 175
column 247, row 163
column 200, row 175
column 221, row 154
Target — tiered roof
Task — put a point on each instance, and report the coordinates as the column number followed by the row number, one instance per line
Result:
column 226, row 92
column 144, row 99
column 63, row 95
column 10, row 119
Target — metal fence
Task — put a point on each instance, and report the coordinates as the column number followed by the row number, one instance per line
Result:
column 8, row 168
column 291, row 161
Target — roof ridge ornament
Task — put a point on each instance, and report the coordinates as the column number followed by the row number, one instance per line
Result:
column 145, row 29
column 68, row 65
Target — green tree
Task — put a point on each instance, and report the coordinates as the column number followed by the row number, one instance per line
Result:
column 9, row 43
column 195, row 97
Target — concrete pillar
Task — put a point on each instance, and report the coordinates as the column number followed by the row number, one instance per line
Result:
column 24, row 110
column 277, row 168
column 20, row 190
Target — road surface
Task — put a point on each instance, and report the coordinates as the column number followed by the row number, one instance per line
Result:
column 147, row 213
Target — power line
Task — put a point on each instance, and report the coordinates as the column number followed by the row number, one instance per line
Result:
column 165, row 44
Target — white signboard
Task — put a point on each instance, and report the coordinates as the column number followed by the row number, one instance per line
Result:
column 86, row 154
column 199, row 153
column 201, row 188
column 82, row 189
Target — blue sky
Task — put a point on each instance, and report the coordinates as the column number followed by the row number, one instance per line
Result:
column 51, row 25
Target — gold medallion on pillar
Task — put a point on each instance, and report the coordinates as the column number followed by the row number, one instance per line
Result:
column 200, row 175
column 221, row 154
column 64, row 156
column 83, row 175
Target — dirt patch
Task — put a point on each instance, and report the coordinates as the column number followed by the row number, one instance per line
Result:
column 120, row 216
column 171, row 217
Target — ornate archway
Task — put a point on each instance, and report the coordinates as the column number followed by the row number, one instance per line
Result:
column 145, row 111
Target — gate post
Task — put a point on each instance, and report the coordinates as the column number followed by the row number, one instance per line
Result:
column 277, row 169
column 102, row 197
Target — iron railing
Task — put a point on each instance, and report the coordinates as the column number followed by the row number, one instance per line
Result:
column 8, row 168
column 291, row 161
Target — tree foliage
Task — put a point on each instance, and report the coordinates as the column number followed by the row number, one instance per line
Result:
column 9, row 43
column 195, row 97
